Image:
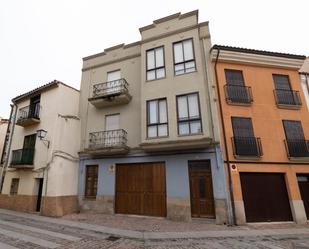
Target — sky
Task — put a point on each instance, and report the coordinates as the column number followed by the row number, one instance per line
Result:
column 43, row 40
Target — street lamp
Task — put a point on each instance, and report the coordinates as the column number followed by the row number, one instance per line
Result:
column 41, row 135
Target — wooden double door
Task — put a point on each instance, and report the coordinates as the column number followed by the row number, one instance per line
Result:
column 141, row 189
column 201, row 190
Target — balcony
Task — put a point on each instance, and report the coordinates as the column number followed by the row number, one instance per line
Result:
column 22, row 158
column 287, row 99
column 239, row 95
column 28, row 115
column 247, row 147
column 108, row 142
column 110, row 93
column 297, row 148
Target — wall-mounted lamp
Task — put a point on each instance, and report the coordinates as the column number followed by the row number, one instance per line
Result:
column 41, row 135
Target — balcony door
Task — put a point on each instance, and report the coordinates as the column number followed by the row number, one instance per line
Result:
column 112, row 126
column 283, row 89
column 34, row 106
column 113, row 84
column 295, row 138
column 236, row 90
column 244, row 140
column 28, row 149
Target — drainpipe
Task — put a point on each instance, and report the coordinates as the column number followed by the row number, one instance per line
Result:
column 6, row 163
column 224, row 140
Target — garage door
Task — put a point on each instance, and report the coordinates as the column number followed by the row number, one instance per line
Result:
column 140, row 189
column 303, row 182
column 265, row 197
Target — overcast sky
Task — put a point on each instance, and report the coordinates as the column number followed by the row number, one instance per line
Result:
column 42, row 40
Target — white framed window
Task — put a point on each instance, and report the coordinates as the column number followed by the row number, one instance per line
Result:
column 113, row 84
column 155, row 63
column 188, row 114
column 157, row 122
column 184, row 59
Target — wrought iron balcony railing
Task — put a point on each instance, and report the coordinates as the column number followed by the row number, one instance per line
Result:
column 238, row 94
column 247, row 146
column 110, row 88
column 297, row 147
column 22, row 157
column 287, row 97
column 107, row 139
column 27, row 112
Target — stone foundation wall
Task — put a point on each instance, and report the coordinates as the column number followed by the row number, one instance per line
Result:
column 50, row 206
column 178, row 209
column 22, row 203
column 102, row 204
column 57, row 206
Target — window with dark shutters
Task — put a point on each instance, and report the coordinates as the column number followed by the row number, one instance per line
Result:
column 296, row 144
column 283, row 92
column 244, row 141
column 235, row 89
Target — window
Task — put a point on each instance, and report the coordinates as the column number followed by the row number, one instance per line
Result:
column 157, row 124
column 296, row 144
column 242, row 127
column 184, row 61
column 234, row 77
column 293, row 130
column 284, row 94
column 282, row 82
column 14, row 186
column 113, row 84
column 155, row 63
column 91, row 181
column 235, row 89
column 244, row 141
column 189, row 117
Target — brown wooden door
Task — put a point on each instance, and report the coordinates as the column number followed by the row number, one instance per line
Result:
column 140, row 189
column 201, row 191
column 91, row 181
column 303, row 182
column 265, row 197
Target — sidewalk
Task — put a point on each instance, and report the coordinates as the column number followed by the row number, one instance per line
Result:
column 224, row 232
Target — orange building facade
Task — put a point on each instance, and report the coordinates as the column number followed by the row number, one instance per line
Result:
column 265, row 133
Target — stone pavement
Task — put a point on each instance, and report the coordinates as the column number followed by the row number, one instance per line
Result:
column 20, row 230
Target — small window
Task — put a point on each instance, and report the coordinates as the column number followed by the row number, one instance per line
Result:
column 91, row 181
column 14, row 186
column 157, row 124
column 234, row 77
column 184, row 61
column 189, row 118
column 155, row 63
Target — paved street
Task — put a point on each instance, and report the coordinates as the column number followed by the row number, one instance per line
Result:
column 19, row 230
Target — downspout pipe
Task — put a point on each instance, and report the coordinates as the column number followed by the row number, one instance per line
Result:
column 224, row 139
column 6, row 163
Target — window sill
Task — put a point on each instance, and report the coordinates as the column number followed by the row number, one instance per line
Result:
column 175, row 75
column 238, row 103
column 299, row 159
column 155, row 79
column 256, row 158
column 290, row 107
column 154, row 138
column 191, row 134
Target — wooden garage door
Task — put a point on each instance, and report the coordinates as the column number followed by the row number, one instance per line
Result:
column 303, row 182
column 140, row 189
column 265, row 197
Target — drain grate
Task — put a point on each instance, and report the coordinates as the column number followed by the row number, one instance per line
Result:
column 112, row 238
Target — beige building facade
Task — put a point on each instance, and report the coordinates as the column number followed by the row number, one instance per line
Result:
column 41, row 169
column 149, row 128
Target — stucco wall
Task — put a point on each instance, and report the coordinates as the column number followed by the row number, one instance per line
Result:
column 266, row 116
